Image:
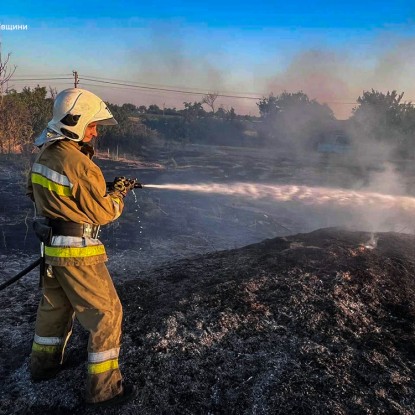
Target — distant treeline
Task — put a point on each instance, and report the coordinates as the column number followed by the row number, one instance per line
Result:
column 141, row 126
column 288, row 120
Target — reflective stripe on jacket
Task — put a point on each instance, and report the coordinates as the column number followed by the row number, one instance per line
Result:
column 65, row 184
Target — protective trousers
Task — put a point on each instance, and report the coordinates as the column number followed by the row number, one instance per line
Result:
column 88, row 293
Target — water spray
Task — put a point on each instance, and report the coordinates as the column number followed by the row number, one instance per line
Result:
column 368, row 202
column 295, row 193
column 281, row 193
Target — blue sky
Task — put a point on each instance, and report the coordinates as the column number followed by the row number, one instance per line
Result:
column 331, row 50
column 315, row 14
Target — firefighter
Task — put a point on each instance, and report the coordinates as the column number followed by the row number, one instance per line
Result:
column 71, row 201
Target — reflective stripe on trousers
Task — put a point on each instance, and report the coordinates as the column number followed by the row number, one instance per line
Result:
column 100, row 362
column 47, row 344
column 89, row 291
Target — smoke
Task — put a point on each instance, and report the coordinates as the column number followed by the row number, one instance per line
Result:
column 375, row 197
column 394, row 68
column 387, row 180
column 167, row 61
column 340, row 77
column 333, row 75
column 380, row 171
column 322, row 75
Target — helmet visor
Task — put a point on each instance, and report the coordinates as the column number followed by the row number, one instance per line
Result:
column 104, row 116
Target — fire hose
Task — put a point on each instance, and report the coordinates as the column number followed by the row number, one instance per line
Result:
column 137, row 185
column 33, row 265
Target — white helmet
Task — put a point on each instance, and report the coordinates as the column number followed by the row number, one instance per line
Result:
column 74, row 109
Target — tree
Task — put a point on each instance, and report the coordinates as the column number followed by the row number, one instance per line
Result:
column 53, row 92
column 221, row 113
column 6, row 72
column 15, row 126
column 131, row 109
column 193, row 111
column 39, row 106
column 23, row 116
column 154, row 109
column 209, row 99
column 130, row 135
column 268, row 106
column 292, row 119
column 380, row 113
column 385, row 117
column 230, row 114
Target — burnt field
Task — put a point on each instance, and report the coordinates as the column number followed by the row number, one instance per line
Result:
column 254, row 194
column 234, row 303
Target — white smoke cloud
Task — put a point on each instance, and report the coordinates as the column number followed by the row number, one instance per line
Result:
column 335, row 76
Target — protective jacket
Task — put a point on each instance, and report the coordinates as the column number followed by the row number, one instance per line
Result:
column 65, row 184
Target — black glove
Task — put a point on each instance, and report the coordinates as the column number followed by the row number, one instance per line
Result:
column 123, row 185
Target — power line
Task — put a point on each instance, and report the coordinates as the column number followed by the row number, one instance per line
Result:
column 184, row 91
column 153, row 87
column 147, row 84
column 33, row 84
column 38, row 79
column 126, row 88
column 180, row 87
column 166, row 89
column 31, row 75
column 121, row 84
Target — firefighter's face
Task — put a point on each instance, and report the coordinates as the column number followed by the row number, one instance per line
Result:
column 90, row 132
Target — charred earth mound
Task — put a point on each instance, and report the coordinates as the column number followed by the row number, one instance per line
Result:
column 317, row 323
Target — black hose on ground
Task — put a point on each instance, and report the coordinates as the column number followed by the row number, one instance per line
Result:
column 20, row 274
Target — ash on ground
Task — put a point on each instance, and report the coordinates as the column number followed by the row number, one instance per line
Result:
column 313, row 323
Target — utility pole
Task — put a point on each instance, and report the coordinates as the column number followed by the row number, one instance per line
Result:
column 76, row 81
